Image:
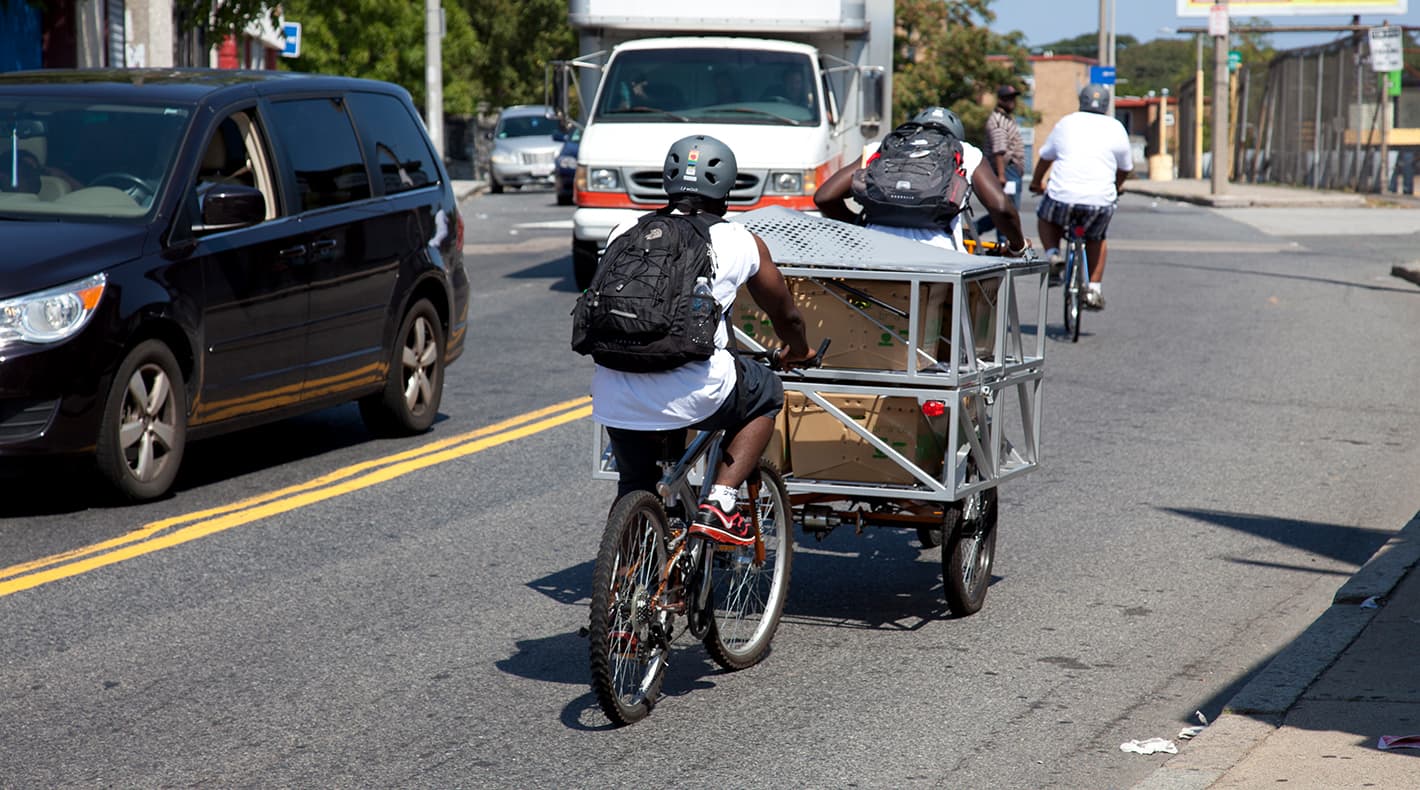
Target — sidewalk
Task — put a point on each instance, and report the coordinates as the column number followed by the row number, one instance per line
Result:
column 1313, row 716
column 1200, row 192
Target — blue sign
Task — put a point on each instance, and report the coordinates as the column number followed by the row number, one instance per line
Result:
column 292, row 32
column 1102, row 75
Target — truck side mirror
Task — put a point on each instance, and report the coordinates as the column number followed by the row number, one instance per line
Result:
column 871, row 96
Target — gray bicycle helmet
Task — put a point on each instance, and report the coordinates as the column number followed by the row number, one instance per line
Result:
column 699, row 165
column 942, row 117
column 1094, row 98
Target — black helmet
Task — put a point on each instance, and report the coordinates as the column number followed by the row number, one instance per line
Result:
column 942, row 117
column 699, row 165
column 1094, row 98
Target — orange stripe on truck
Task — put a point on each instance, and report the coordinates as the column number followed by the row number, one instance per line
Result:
column 621, row 200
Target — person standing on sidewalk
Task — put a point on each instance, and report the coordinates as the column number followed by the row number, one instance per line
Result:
column 1004, row 144
column 1088, row 158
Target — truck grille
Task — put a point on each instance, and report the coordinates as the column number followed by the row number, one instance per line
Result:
column 646, row 186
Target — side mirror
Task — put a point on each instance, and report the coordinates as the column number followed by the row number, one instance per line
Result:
column 230, row 206
column 872, row 95
column 488, row 135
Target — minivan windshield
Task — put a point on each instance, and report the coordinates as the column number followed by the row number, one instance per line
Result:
column 710, row 85
column 85, row 159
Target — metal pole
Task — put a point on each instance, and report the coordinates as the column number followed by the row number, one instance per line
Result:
column 1385, row 132
column 1113, row 7
column 1221, row 98
column 434, row 73
column 1103, row 34
column 1198, row 112
column 1316, row 128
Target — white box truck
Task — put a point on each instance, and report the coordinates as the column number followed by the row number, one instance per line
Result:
column 794, row 87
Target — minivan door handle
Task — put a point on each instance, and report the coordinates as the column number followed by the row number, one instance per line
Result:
column 323, row 248
column 293, row 252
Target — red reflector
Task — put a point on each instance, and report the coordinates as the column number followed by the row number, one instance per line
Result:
column 934, row 408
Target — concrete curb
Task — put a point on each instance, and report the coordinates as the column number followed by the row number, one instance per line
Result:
column 1256, row 197
column 1407, row 271
column 1258, row 709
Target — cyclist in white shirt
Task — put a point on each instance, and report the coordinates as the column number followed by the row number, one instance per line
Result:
column 831, row 196
column 1088, row 158
column 643, row 412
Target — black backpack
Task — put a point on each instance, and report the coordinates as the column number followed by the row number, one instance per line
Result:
column 637, row 316
column 916, row 179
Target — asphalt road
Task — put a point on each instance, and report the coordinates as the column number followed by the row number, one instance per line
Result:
column 1227, row 442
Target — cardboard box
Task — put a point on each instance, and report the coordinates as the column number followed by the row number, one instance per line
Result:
column 822, row 447
column 868, row 336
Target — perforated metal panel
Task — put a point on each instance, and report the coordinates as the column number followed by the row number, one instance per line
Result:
column 798, row 239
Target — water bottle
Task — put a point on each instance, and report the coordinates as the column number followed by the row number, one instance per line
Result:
column 702, row 313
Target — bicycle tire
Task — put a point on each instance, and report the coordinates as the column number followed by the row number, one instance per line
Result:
column 748, row 599
column 628, row 661
column 1074, row 290
column 968, row 549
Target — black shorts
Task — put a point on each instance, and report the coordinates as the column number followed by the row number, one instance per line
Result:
column 757, row 393
column 1095, row 218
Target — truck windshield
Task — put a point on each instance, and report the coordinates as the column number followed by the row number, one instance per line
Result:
column 712, row 84
column 85, row 160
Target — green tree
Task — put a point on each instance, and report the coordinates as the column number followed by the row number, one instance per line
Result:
column 1086, row 45
column 519, row 37
column 384, row 40
column 942, row 57
column 1154, row 66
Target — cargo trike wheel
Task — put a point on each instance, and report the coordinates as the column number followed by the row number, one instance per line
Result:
column 969, row 529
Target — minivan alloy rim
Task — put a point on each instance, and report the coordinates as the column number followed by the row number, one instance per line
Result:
column 148, row 428
column 420, row 355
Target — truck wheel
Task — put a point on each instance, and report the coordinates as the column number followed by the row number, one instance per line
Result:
column 584, row 263
column 415, row 381
column 144, row 428
column 493, row 185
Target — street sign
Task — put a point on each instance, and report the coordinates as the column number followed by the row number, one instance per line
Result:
column 1234, row 60
column 1390, row 82
column 1269, row 8
column 1218, row 20
column 1387, row 48
column 1102, row 75
column 292, row 32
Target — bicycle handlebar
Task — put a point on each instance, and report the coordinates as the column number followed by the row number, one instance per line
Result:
column 771, row 356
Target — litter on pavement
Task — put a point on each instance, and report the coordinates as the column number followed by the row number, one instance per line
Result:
column 1399, row 742
column 1151, row 746
column 1189, row 732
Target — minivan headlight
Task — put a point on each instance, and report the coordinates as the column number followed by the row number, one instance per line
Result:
column 52, row 315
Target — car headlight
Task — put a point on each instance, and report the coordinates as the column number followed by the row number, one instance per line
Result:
column 52, row 315
column 599, row 179
column 792, row 182
column 502, row 157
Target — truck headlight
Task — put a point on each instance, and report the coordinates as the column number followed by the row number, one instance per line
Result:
column 792, row 182
column 52, row 315
column 599, row 179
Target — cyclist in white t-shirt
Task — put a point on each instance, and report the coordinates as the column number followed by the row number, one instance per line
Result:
column 1088, row 158
column 644, row 412
column 832, row 195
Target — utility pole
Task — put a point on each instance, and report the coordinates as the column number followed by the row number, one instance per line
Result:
column 1198, row 111
column 1221, row 93
column 434, row 73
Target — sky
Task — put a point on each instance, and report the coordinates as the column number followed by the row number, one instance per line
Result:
column 1142, row 19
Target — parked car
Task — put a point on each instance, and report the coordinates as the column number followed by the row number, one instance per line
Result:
column 191, row 252
column 524, row 151
column 567, row 165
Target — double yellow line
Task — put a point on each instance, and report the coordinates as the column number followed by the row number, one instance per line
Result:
column 169, row 532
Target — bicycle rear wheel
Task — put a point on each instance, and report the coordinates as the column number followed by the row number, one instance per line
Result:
column 1074, row 289
column 748, row 596
column 629, row 635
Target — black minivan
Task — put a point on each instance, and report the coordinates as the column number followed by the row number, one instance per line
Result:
column 190, row 252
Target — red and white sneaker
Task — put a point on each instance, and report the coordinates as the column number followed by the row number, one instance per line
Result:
column 732, row 530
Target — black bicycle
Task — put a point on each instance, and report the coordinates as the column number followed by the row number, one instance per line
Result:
column 654, row 580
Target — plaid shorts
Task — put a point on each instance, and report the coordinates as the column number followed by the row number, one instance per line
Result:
column 1095, row 218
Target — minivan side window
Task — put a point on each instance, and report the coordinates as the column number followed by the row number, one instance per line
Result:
column 393, row 141
column 320, row 144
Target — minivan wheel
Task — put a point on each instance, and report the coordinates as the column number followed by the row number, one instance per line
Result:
column 415, row 381
column 144, row 428
column 493, row 185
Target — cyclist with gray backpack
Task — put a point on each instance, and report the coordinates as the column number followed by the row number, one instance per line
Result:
column 917, row 185
column 653, row 321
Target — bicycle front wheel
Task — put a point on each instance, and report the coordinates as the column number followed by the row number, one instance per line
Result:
column 747, row 596
column 629, row 634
